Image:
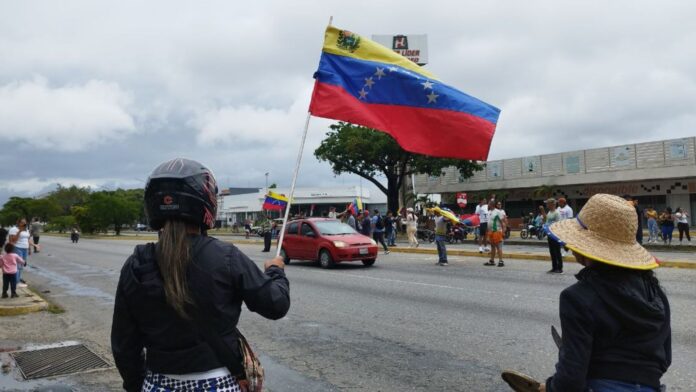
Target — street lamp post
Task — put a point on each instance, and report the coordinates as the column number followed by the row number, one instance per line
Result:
column 266, row 181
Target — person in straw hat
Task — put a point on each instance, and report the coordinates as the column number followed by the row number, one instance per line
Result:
column 616, row 318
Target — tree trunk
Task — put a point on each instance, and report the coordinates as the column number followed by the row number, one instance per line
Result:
column 392, row 195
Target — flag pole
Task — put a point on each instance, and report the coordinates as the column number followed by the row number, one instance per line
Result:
column 292, row 186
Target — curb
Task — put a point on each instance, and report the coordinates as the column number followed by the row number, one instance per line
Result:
column 36, row 305
column 471, row 253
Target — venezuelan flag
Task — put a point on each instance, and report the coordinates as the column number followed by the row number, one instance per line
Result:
column 275, row 202
column 362, row 82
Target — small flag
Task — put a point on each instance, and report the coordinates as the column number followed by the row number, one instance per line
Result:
column 275, row 202
column 362, row 82
column 356, row 206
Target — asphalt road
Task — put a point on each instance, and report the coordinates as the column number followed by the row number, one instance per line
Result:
column 402, row 325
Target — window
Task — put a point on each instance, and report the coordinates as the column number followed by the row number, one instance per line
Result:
column 292, row 228
column 307, row 229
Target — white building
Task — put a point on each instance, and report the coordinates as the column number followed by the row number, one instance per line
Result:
column 238, row 204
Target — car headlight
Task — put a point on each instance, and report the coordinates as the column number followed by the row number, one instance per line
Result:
column 340, row 244
column 373, row 241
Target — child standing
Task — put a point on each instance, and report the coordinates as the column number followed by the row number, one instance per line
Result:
column 9, row 262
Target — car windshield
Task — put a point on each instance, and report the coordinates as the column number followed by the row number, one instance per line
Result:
column 333, row 227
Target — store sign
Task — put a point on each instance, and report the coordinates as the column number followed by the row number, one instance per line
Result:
column 461, row 199
column 412, row 46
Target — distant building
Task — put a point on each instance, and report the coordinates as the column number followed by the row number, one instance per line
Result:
column 235, row 205
column 658, row 174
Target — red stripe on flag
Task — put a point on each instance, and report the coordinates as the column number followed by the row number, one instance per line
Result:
column 435, row 132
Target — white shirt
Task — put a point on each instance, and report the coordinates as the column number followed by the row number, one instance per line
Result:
column 411, row 221
column 500, row 214
column 681, row 217
column 566, row 212
column 23, row 240
column 482, row 212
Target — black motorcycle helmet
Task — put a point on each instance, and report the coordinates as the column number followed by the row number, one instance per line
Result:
column 181, row 189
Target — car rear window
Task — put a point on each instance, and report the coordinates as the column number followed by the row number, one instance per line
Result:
column 292, row 228
column 333, row 227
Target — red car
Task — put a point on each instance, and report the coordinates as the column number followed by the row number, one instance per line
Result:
column 328, row 241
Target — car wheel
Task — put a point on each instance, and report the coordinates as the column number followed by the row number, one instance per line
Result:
column 285, row 257
column 325, row 259
column 369, row 262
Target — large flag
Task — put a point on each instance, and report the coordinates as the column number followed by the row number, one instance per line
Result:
column 356, row 206
column 275, row 202
column 362, row 82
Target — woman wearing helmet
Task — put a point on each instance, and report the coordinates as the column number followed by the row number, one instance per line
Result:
column 178, row 301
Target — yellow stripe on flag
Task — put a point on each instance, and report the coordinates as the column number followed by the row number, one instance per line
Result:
column 277, row 196
column 369, row 50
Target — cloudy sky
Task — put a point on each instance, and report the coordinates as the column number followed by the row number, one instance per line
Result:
column 98, row 93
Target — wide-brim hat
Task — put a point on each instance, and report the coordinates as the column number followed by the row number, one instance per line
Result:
column 605, row 231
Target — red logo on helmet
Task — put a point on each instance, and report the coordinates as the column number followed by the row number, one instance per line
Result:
column 168, row 200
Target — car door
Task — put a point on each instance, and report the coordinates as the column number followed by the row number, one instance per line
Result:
column 308, row 241
column 290, row 242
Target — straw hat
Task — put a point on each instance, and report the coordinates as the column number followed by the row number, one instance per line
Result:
column 605, row 230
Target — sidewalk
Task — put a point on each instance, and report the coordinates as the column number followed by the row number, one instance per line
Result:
column 531, row 251
column 28, row 302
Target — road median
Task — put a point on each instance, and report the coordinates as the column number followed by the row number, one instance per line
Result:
column 28, row 302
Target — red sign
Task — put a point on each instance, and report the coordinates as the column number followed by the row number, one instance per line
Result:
column 461, row 199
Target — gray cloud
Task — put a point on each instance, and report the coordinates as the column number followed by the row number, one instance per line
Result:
column 120, row 87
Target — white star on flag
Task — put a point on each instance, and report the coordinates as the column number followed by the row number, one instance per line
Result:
column 427, row 85
column 432, row 97
column 369, row 82
column 363, row 93
column 393, row 69
column 379, row 73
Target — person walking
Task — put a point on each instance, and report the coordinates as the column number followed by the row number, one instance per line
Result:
column 440, row 238
column 36, row 229
column 551, row 217
column 566, row 212
column 9, row 263
column 378, row 227
column 390, row 229
column 498, row 221
column 179, row 300
column 616, row 319
column 411, row 228
column 350, row 219
column 22, row 241
column 667, row 222
column 482, row 212
column 633, row 202
column 682, row 218
column 651, row 216
column 267, row 235
column 247, row 228
column 366, row 224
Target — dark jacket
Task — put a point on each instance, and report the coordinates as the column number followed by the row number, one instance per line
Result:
column 220, row 278
column 616, row 325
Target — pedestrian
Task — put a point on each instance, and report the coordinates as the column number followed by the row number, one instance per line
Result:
column 247, row 228
column 389, row 229
column 378, row 227
column 482, row 212
column 22, row 241
column 411, row 228
column 564, row 209
column 682, row 218
column 651, row 216
column 633, row 202
column 178, row 301
column 667, row 223
column 9, row 263
column 498, row 221
column 551, row 217
column 267, row 236
column 440, row 238
column 36, row 229
column 616, row 318
column 366, row 224
column 3, row 236
column 350, row 219
column 332, row 212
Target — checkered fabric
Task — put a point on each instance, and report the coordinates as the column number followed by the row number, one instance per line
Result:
column 159, row 383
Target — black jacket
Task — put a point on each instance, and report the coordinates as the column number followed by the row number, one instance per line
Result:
column 616, row 325
column 219, row 277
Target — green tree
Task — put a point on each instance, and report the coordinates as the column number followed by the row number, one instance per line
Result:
column 14, row 209
column 371, row 154
column 67, row 197
column 61, row 223
column 112, row 208
column 45, row 209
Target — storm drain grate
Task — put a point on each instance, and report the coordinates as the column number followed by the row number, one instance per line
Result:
column 56, row 361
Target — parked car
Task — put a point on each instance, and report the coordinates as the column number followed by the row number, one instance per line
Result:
column 328, row 241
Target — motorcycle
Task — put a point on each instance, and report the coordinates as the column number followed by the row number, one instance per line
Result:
column 532, row 231
column 456, row 234
column 425, row 235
